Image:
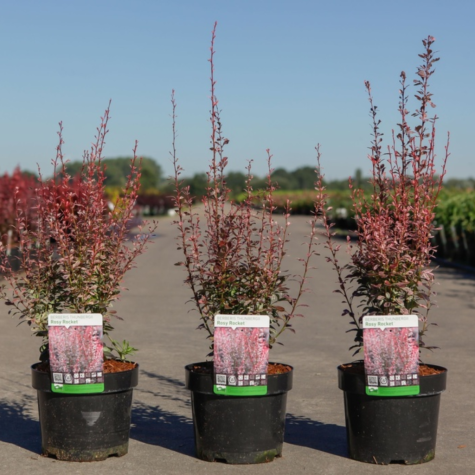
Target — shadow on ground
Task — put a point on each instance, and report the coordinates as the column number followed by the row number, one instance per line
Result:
column 154, row 425
column 306, row 432
column 17, row 427
column 151, row 424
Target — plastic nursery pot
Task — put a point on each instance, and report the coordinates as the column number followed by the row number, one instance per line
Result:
column 237, row 429
column 386, row 430
column 85, row 427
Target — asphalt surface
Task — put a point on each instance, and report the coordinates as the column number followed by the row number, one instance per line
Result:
column 160, row 323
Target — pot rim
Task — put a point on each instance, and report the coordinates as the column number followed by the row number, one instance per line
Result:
column 203, row 382
column 113, row 382
column 430, row 385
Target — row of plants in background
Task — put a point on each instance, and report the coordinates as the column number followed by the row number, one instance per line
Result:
column 16, row 190
column 455, row 217
column 302, row 203
column 455, row 212
column 454, row 234
column 155, row 197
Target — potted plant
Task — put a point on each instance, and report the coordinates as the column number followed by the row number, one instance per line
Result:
column 73, row 261
column 233, row 257
column 389, row 276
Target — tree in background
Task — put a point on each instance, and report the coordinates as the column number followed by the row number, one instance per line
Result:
column 117, row 170
column 284, row 179
column 460, row 183
column 304, row 178
column 236, row 182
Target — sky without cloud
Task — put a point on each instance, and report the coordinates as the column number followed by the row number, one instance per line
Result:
column 289, row 75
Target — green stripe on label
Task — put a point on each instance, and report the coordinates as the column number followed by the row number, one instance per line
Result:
column 399, row 391
column 240, row 391
column 78, row 388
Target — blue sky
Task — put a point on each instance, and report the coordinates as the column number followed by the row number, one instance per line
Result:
column 290, row 74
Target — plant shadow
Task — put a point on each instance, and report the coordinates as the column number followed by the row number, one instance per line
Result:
column 164, row 379
column 19, row 428
column 151, row 424
column 329, row 438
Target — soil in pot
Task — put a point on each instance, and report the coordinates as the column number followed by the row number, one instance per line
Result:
column 238, row 429
column 86, row 427
column 386, row 430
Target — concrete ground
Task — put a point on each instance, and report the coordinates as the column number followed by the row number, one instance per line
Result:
column 159, row 322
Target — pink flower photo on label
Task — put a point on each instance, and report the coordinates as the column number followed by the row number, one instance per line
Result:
column 77, row 349
column 391, row 351
column 241, row 351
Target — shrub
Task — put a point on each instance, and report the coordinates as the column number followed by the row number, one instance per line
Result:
column 75, row 259
column 390, row 261
column 234, row 258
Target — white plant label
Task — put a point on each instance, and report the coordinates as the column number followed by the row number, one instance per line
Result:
column 391, row 355
column 241, row 354
column 76, row 353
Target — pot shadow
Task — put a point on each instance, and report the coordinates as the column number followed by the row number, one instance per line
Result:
column 329, row 438
column 19, row 428
column 151, row 424
column 155, row 426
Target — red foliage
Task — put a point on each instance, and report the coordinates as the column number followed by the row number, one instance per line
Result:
column 233, row 260
column 390, row 260
column 75, row 259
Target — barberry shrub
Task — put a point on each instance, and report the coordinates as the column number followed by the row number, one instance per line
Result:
column 234, row 258
column 75, row 257
column 389, row 272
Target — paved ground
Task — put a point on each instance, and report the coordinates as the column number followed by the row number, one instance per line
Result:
column 158, row 321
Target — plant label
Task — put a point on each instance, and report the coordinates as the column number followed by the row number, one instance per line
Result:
column 75, row 353
column 391, row 355
column 241, row 354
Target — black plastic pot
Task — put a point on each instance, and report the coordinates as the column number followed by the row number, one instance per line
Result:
column 85, row 427
column 236, row 429
column 386, row 430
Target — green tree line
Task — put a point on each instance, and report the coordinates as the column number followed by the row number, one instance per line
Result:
column 117, row 169
column 302, row 178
